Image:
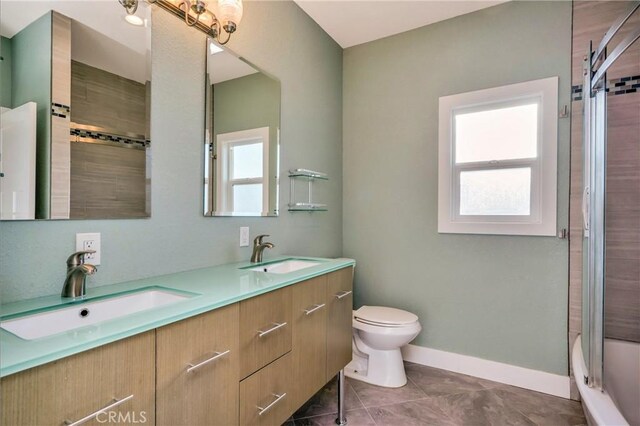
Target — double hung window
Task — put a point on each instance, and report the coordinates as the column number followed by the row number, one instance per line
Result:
column 497, row 160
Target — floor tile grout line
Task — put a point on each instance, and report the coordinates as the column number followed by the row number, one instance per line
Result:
column 417, row 386
column 514, row 408
column 366, row 410
column 357, row 396
column 398, row 402
column 440, row 414
column 460, row 392
column 327, row 414
column 370, row 416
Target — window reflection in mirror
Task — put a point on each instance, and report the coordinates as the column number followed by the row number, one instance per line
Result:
column 75, row 96
column 242, row 137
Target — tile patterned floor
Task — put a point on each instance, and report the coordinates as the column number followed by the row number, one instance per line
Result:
column 439, row 397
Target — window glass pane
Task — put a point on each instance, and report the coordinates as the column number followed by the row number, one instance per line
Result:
column 498, row 192
column 247, row 198
column 496, row 134
column 247, row 161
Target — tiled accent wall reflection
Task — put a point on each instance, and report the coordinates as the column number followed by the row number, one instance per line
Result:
column 107, row 137
column 59, row 110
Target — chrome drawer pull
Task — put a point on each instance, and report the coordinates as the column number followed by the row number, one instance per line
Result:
column 100, row 411
column 268, row 407
column 207, row 361
column 343, row 294
column 272, row 329
column 312, row 310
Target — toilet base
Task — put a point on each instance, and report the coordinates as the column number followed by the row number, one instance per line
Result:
column 380, row 368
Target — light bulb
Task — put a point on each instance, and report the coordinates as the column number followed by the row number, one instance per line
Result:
column 229, row 14
column 134, row 20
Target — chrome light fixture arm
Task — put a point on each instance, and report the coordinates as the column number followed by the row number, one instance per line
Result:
column 196, row 7
column 192, row 12
column 129, row 5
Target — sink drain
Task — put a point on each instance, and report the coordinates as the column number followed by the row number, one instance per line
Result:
column 84, row 313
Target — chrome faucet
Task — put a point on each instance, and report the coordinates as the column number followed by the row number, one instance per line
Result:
column 258, row 248
column 77, row 271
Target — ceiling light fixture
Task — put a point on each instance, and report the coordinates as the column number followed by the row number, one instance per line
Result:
column 210, row 16
column 134, row 20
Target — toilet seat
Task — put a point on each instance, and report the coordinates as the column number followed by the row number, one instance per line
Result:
column 382, row 316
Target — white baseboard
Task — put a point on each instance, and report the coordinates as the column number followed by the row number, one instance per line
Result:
column 540, row 381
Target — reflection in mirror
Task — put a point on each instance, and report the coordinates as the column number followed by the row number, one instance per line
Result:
column 242, row 137
column 75, row 96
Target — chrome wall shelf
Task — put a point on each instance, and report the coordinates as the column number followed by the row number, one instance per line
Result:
column 309, row 205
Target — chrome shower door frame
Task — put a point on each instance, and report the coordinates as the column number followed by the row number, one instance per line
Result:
column 594, row 95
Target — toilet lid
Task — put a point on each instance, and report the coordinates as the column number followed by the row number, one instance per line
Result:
column 385, row 316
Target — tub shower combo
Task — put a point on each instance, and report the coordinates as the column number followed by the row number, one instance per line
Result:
column 606, row 370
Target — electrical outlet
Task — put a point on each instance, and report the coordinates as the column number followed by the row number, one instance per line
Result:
column 89, row 242
column 244, row 236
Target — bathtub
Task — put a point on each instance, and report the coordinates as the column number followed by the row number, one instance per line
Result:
column 618, row 405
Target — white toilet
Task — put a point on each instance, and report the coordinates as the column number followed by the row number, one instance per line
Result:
column 378, row 335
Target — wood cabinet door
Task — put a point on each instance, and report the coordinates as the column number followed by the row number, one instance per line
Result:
column 265, row 396
column 339, row 320
column 75, row 387
column 265, row 329
column 197, row 370
column 309, row 338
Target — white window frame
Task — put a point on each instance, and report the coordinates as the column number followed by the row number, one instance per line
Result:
column 542, row 218
column 224, row 190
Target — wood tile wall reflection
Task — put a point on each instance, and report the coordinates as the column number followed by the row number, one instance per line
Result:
column 107, row 181
column 100, row 98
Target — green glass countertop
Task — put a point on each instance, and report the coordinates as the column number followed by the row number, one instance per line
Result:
column 211, row 287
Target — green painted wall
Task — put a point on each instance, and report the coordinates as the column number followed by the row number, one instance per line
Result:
column 5, row 72
column 501, row 298
column 31, row 81
column 178, row 237
column 249, row 102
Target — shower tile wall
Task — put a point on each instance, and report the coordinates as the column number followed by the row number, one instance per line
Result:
column 622, row 310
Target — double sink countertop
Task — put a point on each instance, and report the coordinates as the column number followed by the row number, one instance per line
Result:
column 207, row 288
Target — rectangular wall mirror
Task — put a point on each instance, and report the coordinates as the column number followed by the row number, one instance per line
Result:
column 242, row 147
column 75, row 95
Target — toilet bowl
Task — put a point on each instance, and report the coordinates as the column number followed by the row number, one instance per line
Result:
column 378, row 334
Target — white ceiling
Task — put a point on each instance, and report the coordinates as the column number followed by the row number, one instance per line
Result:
column 223, row 66
column 352, row 22
column 98, row 27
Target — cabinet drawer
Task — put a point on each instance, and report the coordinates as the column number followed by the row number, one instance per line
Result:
column 309, row 351
column 78, row 386
column 265, row 397
column 265, row 329
column 197, row 370
column 339, row 320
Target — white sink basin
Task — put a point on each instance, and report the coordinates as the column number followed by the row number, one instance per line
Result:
column 78, row 315
column 285, row 266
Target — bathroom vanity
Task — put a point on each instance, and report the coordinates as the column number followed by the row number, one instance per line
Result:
column 246, row 347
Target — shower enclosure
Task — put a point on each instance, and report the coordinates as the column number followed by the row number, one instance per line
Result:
column 609, row 396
